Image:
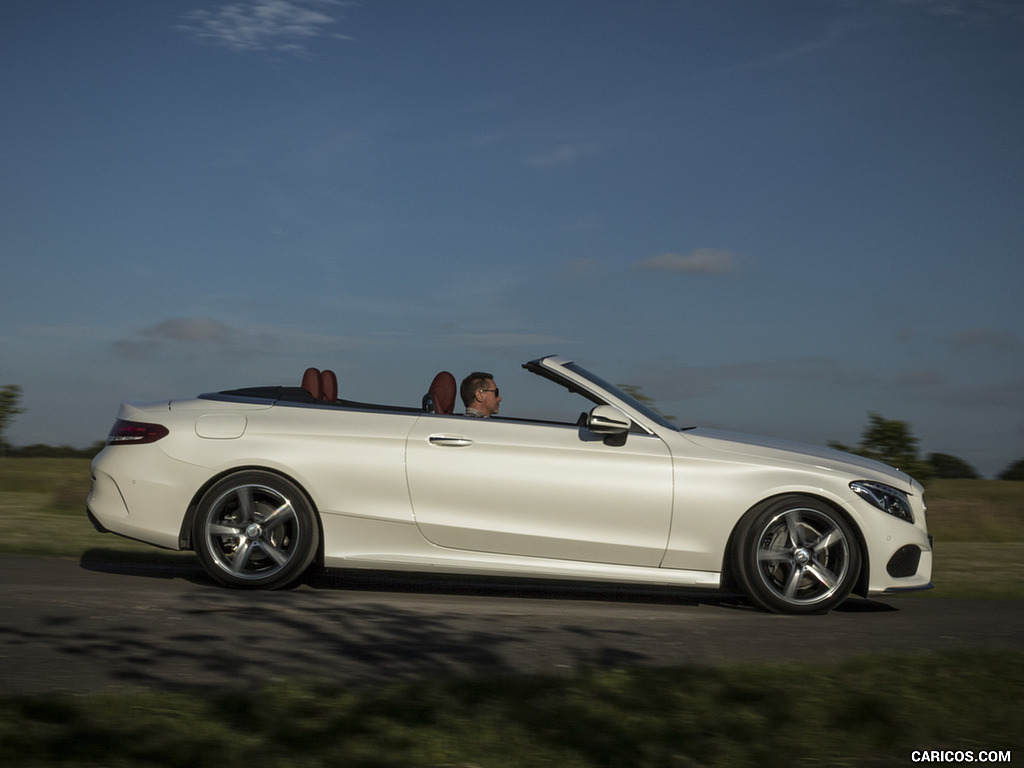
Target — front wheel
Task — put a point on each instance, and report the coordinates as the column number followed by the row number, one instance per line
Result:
column 255, row 530
column 796, row 554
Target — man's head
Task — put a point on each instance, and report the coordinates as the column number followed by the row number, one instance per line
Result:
column 479, row 391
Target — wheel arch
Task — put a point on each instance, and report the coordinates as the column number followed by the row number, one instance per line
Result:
column 729, row 580
column 185, row 534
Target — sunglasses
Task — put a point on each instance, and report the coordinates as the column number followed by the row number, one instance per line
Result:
column 495, row 391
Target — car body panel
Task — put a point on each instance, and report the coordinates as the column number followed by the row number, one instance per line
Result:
column 401, row 547
column 540, row 490
column 348, row 461
column 398, row 488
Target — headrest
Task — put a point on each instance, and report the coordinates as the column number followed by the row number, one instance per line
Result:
column 442, row 392
column 311, row 382
column 328, row 386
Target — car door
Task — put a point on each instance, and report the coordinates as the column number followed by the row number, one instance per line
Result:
column 540, row 490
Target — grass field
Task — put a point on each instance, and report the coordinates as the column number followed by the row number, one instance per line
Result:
column 867, row 712
column 871, row 712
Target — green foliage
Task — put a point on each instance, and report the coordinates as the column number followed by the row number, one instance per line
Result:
column 948, row 467
column 637, row 394
column 892, row 443
column 10, row 397
column 729, row 716
column 1013, row 472
column 41, row 450
column 973, row 510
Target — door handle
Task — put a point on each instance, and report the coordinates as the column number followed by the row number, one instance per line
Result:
column 449, row 441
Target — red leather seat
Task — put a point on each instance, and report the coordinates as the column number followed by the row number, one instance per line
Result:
column 440, row 398
column 322, row 386
column 311, row 382
column 328, row 386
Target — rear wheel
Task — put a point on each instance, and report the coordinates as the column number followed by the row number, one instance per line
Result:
column 255, row 530
column 796, row 554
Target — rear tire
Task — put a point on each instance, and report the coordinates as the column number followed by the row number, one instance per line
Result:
column 796, row 554
column 255, row 530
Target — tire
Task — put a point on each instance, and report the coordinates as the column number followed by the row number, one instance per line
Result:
column 255, row 530
column 796, row 554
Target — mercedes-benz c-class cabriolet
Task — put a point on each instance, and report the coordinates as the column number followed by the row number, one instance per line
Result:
column 263, row 482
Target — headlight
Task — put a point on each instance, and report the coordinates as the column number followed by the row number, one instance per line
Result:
column 885, row 498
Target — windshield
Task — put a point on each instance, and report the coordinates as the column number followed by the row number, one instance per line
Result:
column 631, row 401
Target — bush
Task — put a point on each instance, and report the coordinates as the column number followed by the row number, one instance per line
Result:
column 43, row 451
column 1013, row 472
column 890, row 442
column 948, row 467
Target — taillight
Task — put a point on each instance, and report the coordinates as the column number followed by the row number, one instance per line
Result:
column 135, row 433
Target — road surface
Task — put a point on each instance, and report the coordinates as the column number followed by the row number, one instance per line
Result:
column 102, row 625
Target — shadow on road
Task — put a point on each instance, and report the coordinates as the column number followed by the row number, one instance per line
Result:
column 360, row 628
column 157, row 620
column 183, row 565
column 155, row 565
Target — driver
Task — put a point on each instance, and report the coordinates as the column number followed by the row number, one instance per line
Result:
column 480, row 395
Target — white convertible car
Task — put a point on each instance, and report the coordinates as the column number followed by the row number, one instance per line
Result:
column 262, row 482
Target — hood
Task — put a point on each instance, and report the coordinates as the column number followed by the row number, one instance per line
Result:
column 775, row 450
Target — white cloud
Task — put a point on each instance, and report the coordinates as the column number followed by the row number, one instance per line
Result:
column 216, row 340
column 190, row 329
column 701, row 261
column 191, row 333
column 282, row 26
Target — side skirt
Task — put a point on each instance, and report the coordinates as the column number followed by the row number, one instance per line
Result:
column 353, row 542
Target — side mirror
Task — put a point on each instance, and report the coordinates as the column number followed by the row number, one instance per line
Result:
column 608, row 420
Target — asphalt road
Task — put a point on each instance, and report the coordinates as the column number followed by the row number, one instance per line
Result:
column 100, row 625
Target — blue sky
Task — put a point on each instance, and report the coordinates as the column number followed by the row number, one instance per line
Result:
column 773, row 217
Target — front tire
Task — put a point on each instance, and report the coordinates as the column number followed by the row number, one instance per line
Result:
column 796, row 554
column 255, row 530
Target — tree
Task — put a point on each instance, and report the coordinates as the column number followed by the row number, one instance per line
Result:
column 1013, row 472
column 948, row 467
column 637, row 394
column 10, row 396
column 892, row 443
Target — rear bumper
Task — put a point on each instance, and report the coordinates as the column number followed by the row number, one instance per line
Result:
column 141, row 493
